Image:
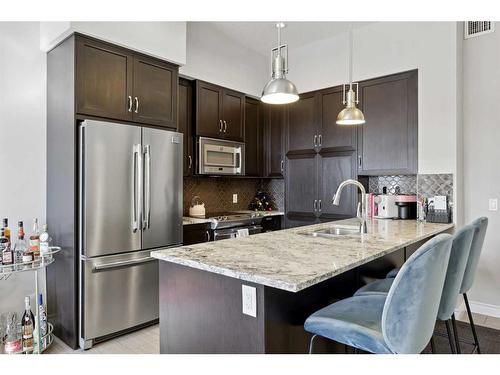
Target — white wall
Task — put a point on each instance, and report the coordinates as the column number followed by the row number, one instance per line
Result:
column 22, row 139
column 481, row 66
column 213, row 57
column 166, row 40
column 389, row 47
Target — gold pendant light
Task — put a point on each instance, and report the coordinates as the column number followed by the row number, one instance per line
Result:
column 350, row 115
column 279, row 90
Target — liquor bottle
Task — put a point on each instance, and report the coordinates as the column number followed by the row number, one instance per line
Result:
column 35, row 239
column 40, row 317
column 44, row 240
column 6, row 228
column 7, row 253
column 20, row 248
column 13, row 343
column 28, row 324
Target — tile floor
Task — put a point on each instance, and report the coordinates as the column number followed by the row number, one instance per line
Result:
column 147, row 340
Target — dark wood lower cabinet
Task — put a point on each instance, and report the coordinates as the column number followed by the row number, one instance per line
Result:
column 196, row 233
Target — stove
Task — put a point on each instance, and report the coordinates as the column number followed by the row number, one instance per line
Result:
column 222, row 220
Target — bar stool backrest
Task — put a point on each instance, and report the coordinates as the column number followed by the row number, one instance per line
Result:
column 480, row 225
column 412, row 303
column 460, row 249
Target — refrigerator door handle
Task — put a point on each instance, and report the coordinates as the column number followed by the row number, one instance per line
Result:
column 125, row 263
column 136, row 181
column 147, row 187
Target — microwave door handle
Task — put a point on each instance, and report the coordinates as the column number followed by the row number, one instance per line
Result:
column 238, row 160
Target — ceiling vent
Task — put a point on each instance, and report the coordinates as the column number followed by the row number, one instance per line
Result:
column 477, row 28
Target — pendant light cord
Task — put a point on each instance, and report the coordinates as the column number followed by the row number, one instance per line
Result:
column 351, row 43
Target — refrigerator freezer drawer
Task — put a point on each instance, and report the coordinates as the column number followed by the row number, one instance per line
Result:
column 119, row 292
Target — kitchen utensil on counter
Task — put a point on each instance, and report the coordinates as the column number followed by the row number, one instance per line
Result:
column 197, row 208
column 386, row 206
column 407, row 206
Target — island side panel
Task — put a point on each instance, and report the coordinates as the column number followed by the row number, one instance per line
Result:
column 201, row 312
column 286, row 313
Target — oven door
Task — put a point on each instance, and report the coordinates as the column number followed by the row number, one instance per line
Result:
column 224, row 234
column 219, row 157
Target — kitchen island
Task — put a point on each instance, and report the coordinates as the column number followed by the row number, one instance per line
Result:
column 253, row 294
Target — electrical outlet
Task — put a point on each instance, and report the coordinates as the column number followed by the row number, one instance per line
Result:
column 249, row 300
column 493, row 204
column 235, row 198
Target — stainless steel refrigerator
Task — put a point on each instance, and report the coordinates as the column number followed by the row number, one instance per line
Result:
column 130, row 202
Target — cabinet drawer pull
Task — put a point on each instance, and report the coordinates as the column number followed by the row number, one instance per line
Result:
column 136, row 105
column 315, row 141
column 130, row 103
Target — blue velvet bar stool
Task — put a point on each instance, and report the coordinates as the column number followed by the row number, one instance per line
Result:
column 401, row 321
column 460, row 250
column 480, row 225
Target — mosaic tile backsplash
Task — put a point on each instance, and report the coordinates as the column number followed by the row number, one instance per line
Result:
column 407, row 184
column 429, row 185
column 217, row 192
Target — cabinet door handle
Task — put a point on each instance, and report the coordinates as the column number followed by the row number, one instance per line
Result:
column 315, row 205
column 320, row 139
column 130, row 103
column 282, row 165
column 225, row 126
column 136, row 105
column 190, row 162
column 359, row 161
column 319, row 205
column 315, row 141
column 220, row 126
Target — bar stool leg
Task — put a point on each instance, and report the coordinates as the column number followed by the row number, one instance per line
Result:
column 311, row 343
column 433, row 345
column 455, row 333
column 450, row 338
column 472, row 325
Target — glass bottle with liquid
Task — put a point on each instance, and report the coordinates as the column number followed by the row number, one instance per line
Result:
column 35, row 239
column 28, row 325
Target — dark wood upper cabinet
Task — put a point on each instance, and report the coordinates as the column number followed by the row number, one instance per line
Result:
column 219, row 112
column 301, row 183
column 155, row 92
column 275, row 117
column 334, row 137
column 302, row 131
column 117, row 83
column 185, row 124
column 208, row 110
column 233, row 115
column 103, row 80
column 253, row 137
column 387, row 142
column 333, row 168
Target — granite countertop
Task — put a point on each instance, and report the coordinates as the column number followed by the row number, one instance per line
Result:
column 292, row 261
column 186, row 220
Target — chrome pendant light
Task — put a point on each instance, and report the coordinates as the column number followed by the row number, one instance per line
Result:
column 350, row 115
column 279, row 90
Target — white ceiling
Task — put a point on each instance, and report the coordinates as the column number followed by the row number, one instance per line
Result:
column 262, row 36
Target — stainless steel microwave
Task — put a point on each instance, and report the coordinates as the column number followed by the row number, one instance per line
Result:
column 220, row 157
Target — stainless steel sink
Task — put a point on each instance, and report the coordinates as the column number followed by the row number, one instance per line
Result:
column 334, row 231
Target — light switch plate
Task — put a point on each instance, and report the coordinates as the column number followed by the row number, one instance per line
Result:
column 493, row 204
column 235, row 198
column 249, row 299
